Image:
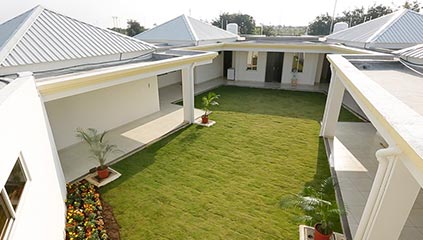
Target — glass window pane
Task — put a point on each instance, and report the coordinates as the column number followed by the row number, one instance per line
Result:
column 252, row 59
column 15, row 184
column 4, row 216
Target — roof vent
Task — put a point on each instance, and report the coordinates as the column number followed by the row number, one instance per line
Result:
column 340, row 26
column 233, row 28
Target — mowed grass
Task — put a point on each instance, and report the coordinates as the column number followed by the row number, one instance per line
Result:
column 225, row 182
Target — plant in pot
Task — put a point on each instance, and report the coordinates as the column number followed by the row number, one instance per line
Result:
column 208, row 101
column 99, row 148
column 317, row 207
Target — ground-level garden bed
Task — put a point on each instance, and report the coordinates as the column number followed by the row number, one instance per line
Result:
column 88, row 217
column 226, row 181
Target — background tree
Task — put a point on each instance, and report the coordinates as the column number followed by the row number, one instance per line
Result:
column 246, row 23
column 134, row 28
column 320, row 25
column 414, row 5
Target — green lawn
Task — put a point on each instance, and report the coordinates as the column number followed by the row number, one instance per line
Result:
column 225, row 182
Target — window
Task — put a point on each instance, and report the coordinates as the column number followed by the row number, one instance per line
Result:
column 298, row 62
column 10, row 196
column 252, row 60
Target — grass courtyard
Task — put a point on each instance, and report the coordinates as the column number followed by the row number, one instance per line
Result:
column 225, row 182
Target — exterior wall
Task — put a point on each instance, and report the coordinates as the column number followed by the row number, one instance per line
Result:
column 308, row 76
column 169, row 78
column 241, row 72
column 103, row 109
column 209, row 71
column 25, row 130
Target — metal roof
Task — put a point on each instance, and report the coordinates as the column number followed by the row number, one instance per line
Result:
column 42, row 35
column 186, row 29
column 397, row 30
column 412, row 54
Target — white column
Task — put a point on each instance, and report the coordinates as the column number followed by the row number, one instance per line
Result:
column 333, row 106
column 188, row 93
column 391, row 199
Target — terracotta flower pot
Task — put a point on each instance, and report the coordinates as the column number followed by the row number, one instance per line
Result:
column 320, row 236
column 204, row 119
column 103, row 173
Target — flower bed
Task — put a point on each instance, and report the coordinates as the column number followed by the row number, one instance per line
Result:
column 84, row 213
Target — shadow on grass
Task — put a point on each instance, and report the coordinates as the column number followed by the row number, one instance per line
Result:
column 322, row 173
column 295, row 104
column 142, row 159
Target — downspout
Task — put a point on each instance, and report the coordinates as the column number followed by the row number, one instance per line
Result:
column 386, row 159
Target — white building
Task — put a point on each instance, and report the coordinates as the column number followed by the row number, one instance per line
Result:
column 85, row 76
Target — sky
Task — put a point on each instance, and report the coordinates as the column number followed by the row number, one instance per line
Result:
column 101, row 12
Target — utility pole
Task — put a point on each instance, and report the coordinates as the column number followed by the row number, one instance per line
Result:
column 333, row 17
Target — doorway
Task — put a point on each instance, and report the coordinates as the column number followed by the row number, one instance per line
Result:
column 274, row 67
column 227, row 62
column 326, row 72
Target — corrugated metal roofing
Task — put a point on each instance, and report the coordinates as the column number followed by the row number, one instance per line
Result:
column 396, row 30
column 411, row 52
column 185, row 29
column 176, row 29
column 54, row 37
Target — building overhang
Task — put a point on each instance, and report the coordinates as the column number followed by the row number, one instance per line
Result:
column 395, row 120
column 309, row 47
column 56, row 87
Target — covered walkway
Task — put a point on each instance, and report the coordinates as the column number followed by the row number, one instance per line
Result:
column 354, row 161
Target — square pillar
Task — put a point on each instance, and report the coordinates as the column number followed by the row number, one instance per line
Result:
column 188, row 93
column 333, row 106
column 391, row 199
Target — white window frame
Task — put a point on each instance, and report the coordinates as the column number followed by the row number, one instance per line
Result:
column 9, row 206
column 250, row 66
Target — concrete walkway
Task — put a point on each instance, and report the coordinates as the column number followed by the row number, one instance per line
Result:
column 355, row 164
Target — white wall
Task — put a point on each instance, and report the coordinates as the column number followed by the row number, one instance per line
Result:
column 241, row 72
column 210, row 71
column 25, row 130
column 103, row 109
column 308, row 76
column 169, row 78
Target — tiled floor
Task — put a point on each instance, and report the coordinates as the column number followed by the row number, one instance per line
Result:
column 355, row 164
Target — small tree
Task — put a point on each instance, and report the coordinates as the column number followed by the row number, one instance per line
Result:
column 99, row 148
column 318, row 209
column 208, row 101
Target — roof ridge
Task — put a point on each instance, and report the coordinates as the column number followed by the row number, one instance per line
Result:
column 20, row 31
column 153, row 28
column 103, row 29
column 359, row 25
column 385, row 27
column 190, row 27
column 211, row 25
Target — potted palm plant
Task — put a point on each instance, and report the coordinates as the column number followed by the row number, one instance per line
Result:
column 99, row 148
column 208, row 101
column 318, row 209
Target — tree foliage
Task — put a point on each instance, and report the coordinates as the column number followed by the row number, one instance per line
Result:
column 414, row 5
column 321, row 24
column 246, row 23
column 279, row 30
column 133, row 28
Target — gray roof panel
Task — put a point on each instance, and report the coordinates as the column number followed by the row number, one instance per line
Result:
column 54, row 37
column 185, row 29
column 392, row 31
